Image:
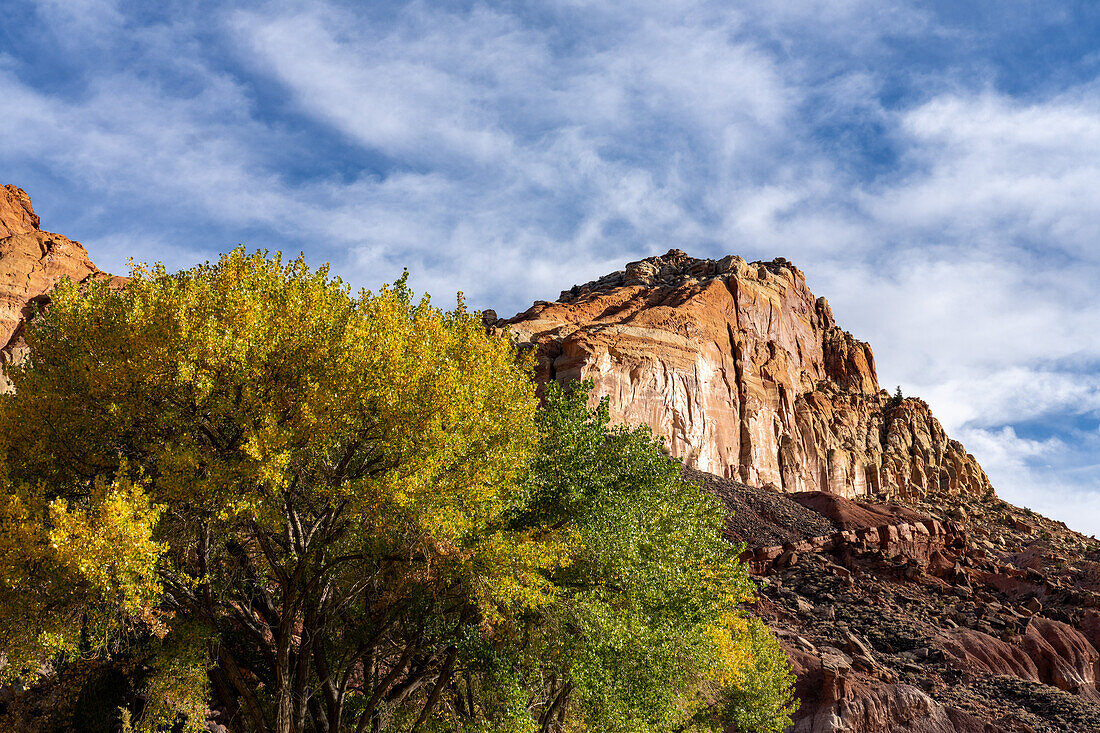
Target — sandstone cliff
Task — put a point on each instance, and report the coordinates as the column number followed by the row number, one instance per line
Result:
column 747, row 376
column 31, row 264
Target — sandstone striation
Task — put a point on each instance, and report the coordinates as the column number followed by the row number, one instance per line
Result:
column 32, row 262
column 746, row 375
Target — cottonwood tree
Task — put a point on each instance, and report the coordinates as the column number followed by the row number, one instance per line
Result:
column 319, row 512
column 647, row 631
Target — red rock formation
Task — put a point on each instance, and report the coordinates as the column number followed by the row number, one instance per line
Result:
column 847, row 514
column 840, row 701
column 747, row 376
column 31, row 264
column 988, row 618
column 888, row 528
column 1090, row 627
column 1063, row 656
column 16, row 214
column 975, row 650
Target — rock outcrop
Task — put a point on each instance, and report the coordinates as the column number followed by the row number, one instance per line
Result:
column 747, row 376
column 901, row 617
column 16, row 213
column 31, row 264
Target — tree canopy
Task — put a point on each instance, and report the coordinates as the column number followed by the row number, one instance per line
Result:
column 244, row 489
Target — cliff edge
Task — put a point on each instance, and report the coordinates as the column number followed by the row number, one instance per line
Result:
column 747, row 376
column 32, row 262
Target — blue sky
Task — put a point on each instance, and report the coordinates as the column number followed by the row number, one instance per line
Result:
column 933, row 167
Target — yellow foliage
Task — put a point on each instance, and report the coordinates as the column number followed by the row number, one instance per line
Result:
column 512, row 572
column 68, row 569
column 240, row 391
column 274, row 476
column 108, row 543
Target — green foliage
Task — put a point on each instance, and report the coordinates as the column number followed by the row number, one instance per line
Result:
column 761, row 697
column 647, row 633
column 250, row 489
column 178, row 683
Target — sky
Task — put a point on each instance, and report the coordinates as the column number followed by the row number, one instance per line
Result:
column 933, row 167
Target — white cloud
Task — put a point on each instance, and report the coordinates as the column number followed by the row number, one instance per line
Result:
column 1004, row 451
column 995, row 170
column 1007, row 294
column 1031, row 473
column 407, row 94
column 126, row 135
column 535, row 157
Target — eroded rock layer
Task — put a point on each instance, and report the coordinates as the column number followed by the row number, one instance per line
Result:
column 32, row 262
column 747, row 376
column 906, row 617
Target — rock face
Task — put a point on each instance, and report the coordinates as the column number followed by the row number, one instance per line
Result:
column 897, row 617
column 747, row 376
column 16, row 213
column 31, row 264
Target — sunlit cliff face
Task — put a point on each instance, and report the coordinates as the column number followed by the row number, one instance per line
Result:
column 746, row 375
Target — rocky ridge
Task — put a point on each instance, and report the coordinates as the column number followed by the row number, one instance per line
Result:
column 987, row 621
column 32, row 262
column 746, row 375
column 924, row 605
